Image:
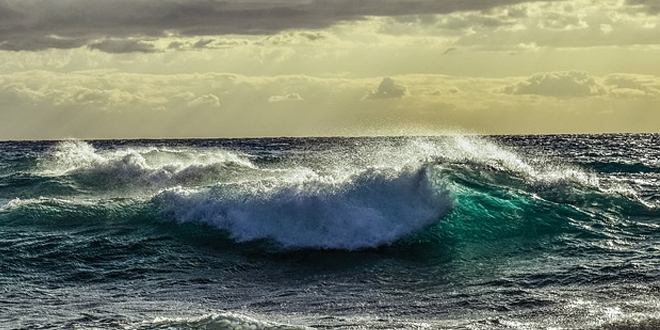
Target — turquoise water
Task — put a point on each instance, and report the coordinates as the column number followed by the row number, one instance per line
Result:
column 452, row 232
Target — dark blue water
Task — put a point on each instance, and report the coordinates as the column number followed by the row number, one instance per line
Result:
column 452, row 232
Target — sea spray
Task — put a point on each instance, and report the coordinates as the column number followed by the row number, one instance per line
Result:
column 391, row 232
column 368, row 209
column 145, row 168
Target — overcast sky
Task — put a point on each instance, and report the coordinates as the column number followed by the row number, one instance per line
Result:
column 237, row 68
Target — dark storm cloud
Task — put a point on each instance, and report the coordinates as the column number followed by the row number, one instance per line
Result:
column 35, row 24
column 39, row 42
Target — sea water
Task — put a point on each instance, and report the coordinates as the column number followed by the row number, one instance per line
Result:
column 447, row 232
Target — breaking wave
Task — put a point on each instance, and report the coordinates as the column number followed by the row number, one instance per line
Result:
column 140, row 167
column 368, row 209
column 553, row 231
column 228, row 321
column 347, row 197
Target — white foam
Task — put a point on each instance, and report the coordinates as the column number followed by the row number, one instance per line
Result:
column 365, row 197
column 149, row 167
column 349, row 197
column 17, row 203
column 460, row 149
column 481, row 151
column 5, row 204
column 368, row 209
column 218, row 321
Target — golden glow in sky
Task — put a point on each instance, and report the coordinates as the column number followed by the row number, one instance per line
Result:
column 200, row 68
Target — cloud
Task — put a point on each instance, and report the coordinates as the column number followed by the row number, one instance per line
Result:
column 570, row 24
column 449, row 51
column 286, row 97
column 108, row 103
column 630, row 85
column 562, row 20
column 103, row 98
column 208, row 43
column 27, row 23
column 444, row 91
column 219, row 42
column 123, row 46
column 293, row 37
column 570, row 84
column 651, row 7
column 558, row 84
column 207, row 100
column 106, row 90
column 38, row 42
column 388, row 89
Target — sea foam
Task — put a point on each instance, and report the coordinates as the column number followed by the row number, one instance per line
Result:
column 370, row 208
column 140, row 167
column 216, row 321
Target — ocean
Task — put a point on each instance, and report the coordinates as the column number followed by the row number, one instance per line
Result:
column 444, row 232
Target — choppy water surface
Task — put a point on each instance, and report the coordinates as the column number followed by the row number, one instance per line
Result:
column 454, row 232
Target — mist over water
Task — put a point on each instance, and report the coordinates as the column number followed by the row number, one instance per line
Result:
column 459, row 232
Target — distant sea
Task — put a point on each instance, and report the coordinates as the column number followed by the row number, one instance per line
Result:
column 447, row 232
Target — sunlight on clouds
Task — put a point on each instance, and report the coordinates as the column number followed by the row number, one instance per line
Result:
column 505, row 66
column 110, row 103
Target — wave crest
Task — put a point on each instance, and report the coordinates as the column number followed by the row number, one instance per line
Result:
column 146, row 167
column 216, row 321
column 371, row 208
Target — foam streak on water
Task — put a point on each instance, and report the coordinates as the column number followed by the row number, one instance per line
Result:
column 456, row 232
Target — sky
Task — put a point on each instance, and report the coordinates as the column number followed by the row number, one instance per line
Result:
column 251, row 68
